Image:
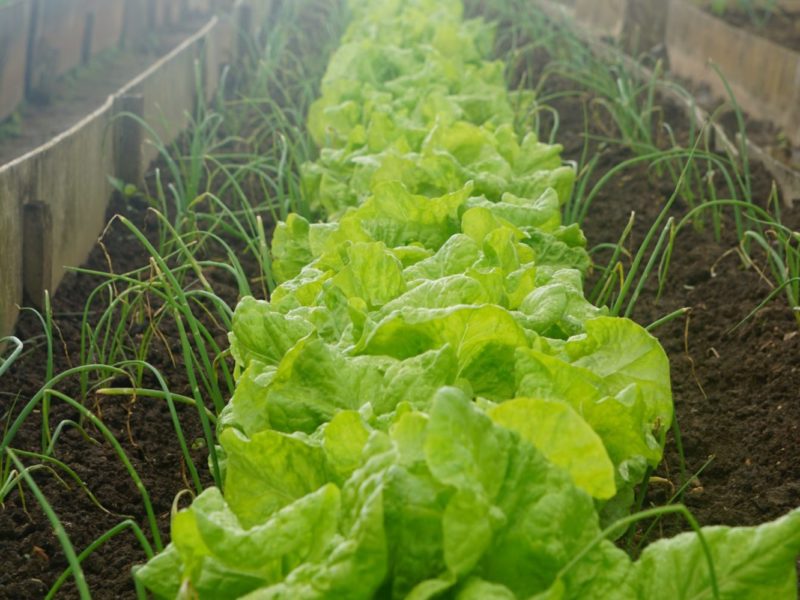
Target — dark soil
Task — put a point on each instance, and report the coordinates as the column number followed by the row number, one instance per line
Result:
column 736, row 393
column 32, row 557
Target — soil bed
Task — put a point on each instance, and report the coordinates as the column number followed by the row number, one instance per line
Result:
column 32, row 556
column 142, row 426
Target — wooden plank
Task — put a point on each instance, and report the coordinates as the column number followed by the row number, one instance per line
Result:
column 15, row 24
column 10, row 252
column 638, row 25
column 199, row 7
column 37, row 251
column 53, row 200
column 58, row 41
column 135, row 24
column 106, row 24
column 605, row 18
column 218, row 54
column 169, row 90
column 128, row 138
column 788, row 180
column 162, row 13
column 70, row 176
column 764, row 76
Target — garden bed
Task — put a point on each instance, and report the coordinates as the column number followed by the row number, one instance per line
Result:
column 778, row 23
column 734, row 373
column 735, row 392
column 141, row 425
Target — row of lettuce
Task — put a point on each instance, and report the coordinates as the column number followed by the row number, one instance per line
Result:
column 428, row 406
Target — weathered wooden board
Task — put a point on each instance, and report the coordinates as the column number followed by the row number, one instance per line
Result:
column 200, row 7
column 53, row 200
column 169, row 89
column 10, row 254
column 603, row 17
column 638, row 25
column 15, row 24
column 764, row 76
column 135, row 23
column 219, row 49
column 62, row 190
column 107, row 19
column 58, row 40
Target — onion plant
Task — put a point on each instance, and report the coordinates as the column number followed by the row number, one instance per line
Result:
column 781, row 246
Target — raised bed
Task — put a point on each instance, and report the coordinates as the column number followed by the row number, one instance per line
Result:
column 614, row 20
column 109, row 572
column 764, row 76
column 63, row 212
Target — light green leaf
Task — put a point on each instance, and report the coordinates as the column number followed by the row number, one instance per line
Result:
column 261, row 333
column 344, row 440
column 485, row 339
column 371, row 273
column 756, row 563
column 467, row 530
column 269, row 471
column 478, row 589
column 316, row 380
column 463, row 448
column 622, row 352
column 162, row 574
column 559, row 308
column 290, row 247
column 564, row 438
column 457, row 254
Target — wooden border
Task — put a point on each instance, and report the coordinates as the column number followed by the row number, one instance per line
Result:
column 58, row 42
column 15, row 25
column 764, row 76
column 105, row 25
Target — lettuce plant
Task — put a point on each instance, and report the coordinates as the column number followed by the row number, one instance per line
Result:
column 428, row 406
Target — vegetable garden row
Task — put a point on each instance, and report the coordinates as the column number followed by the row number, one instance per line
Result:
column 428, row 405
